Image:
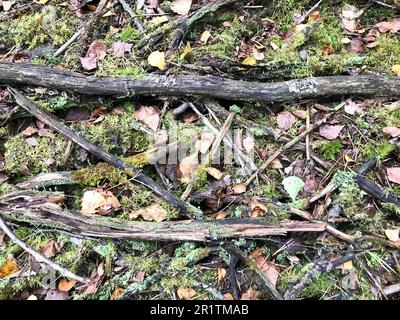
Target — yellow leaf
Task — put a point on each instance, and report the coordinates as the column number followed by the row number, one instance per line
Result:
column 32, row 297
column 228, row 296
column 92, row 200
column 348, row 158
column 158, row 20
column 8, row 268
column 157, row 59
column 215, row 173
column 186, row 293
column 249, row 61
column 186, row 51
column 221, row 274
column 42, row 1
column 205, row 36
column 117, row 293
column 392, row 234
column 396, row 69
column 151, row 213
column 346, row 266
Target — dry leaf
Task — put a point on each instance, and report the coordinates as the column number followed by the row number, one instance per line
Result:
column 7, row 5
column 393, row 174
column 391, row 131
column 392, row 26
column 49, row 249
column 8, row 268
column 215, row 173
column 228, row 296
column 120, row 48
column 96, row 52
column 65, row 285
column 91, row 201
column 153, row 212
column 221, row 274
column 188, row 166
column 186, row 50
column 285, row 120
column 239, row 188
column 157, row 59
column 205, row 36
column 268, row 268
column 353, row 108
column 32, row 297
column 249, row 61
column 29, row 131
column 248, row 144
column 181, row 7
column 302, row 114
column 186, row 293
column 396, row 69
column 53, row 294
column 205, row 142
column 392, row 234
column 158, row 20
column 149, row 116
column 251, row 294
column 330, row 132
column 221, row 215
column 117, row 293
column 346, row 266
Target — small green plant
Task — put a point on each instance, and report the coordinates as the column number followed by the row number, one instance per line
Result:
column 330, row 150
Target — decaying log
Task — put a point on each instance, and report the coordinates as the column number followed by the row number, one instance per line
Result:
column 211, row 86
column 35, row 208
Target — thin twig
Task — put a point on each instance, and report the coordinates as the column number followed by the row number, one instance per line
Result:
column 38, row 256
column 71, row 40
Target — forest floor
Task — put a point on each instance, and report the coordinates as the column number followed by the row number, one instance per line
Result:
column 336, row 188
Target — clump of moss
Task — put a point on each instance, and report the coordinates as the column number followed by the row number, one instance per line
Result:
column 53, row 24
column 92, row 176
column 52, row 104
column 138, row 160
column 18, row 153
column 377, row 148
column 329, row 149
column 123, row 66
column 114, row 134
column 5, row 188
column 385, row 55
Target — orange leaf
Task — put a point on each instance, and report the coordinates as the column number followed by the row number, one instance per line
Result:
column 8, row 268
column 65, row 285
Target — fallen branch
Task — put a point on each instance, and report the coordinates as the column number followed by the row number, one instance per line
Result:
column 211, row 86
column 38, row 256
column 52, row 122
column 35, row 208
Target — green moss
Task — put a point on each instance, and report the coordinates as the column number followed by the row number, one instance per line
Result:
column 330, row 150
column 328, row 33
column 123, row 66
column 18, row 152
column 53, row 104
column 138, row 160
column 128, row 34
column 385, row 55
column 5, row 188
column 377, row 148
column 283, row 12
column 114, row 134
column 93, row 176
column 53, row 24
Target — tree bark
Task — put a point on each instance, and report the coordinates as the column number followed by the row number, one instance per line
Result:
column 35, row 208
column 211, row 86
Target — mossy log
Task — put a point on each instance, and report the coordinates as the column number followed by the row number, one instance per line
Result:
column 36, row 208
column 210, row 86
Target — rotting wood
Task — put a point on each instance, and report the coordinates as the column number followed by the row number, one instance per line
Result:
column 35, row 208
column 211, row 86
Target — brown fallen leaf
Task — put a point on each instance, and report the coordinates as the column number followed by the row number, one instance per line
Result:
column 285, row 120
column 205, row 36
column 148, row 115
column 248, row 144
column 205, row 142
column 53, row 294
column 239, row 188
column 188, row 166
column 302, row 114
column 120, row 48
column 221, row 274
column 65, row 285
column 215, row 173
column 28, row 131
column 91, row 201
column 268, row 268
column 153, row 212
column 186, row 293
column 391, row 131
column 357, row 46
column 117, row 293
column 392, row 26
column 96, row 52
column 49, row 248
column 330, row 132
column 251, row 294
column 393, row 174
